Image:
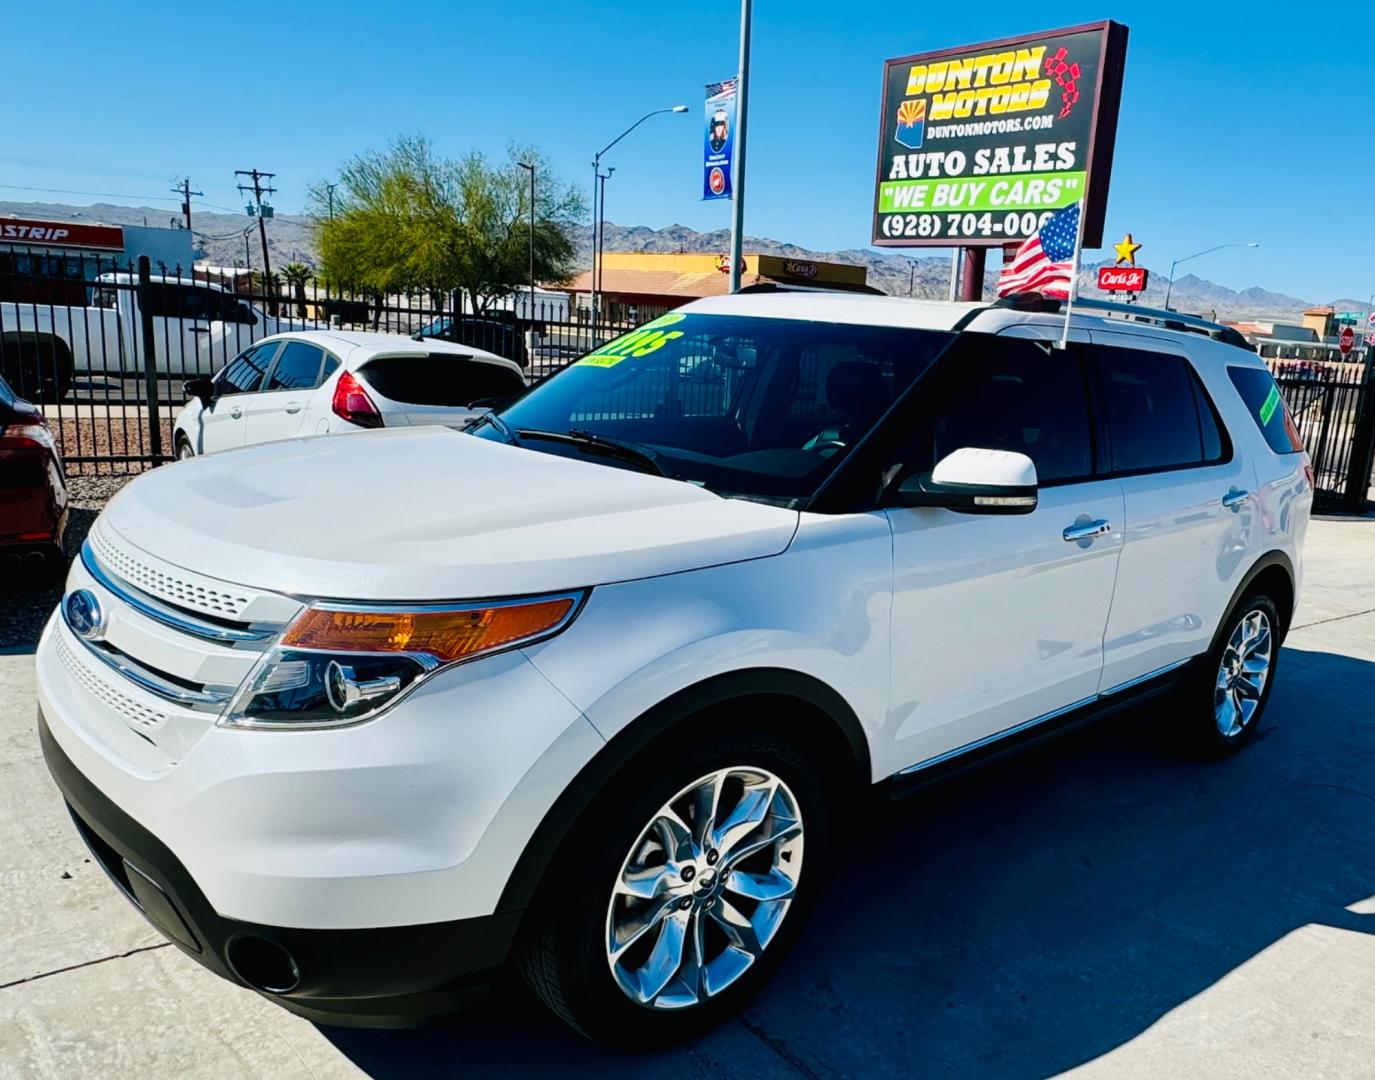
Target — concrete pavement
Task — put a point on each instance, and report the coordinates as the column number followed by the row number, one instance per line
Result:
column 1097, row 907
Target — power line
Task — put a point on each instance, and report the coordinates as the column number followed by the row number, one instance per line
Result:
column 110, row 195
column 94, row 194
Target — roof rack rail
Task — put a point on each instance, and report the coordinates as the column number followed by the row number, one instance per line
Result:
column 783, row 286
column 1169, row 320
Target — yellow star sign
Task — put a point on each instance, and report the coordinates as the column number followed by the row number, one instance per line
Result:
column 1126, row 251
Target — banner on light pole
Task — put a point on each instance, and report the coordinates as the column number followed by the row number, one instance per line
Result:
column 719, row 144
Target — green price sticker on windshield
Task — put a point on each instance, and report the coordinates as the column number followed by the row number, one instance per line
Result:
column 640, row 342
column 1272, row 402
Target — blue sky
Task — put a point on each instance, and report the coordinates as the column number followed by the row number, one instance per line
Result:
column 1249, row 125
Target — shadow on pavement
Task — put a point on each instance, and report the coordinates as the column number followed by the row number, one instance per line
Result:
column 1028, row 919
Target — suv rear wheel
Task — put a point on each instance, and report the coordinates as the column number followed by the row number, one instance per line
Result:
column 1231, row 691
column 681, row 891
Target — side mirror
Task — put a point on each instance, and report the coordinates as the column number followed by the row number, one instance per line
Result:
column 974, row 481
column 200, row 387
column 246, row 315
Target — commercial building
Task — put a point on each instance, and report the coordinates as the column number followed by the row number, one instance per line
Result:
column 634, row 280
column 52, row 261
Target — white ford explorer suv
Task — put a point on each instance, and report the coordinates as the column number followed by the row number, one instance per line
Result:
column 586, row 689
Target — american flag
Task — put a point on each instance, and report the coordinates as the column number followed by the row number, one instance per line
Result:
column 1045, row 263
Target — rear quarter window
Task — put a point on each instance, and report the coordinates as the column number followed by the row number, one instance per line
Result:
column 439, row 379
column 1267, row 408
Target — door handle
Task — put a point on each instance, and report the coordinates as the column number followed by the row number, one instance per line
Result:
column 1235, row 498
column 293, row 406
column 199, row 329
column 1087, row 530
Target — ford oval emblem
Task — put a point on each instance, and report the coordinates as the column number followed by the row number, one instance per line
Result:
column 84, row 614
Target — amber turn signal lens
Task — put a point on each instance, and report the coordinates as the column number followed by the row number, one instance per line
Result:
column 445, row 635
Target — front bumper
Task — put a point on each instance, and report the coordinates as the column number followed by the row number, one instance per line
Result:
column 392, row 976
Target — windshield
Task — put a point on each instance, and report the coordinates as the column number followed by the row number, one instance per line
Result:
column 756, row 407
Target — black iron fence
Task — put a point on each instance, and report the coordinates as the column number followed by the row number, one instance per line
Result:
column 1333, row 405
column 104, row 346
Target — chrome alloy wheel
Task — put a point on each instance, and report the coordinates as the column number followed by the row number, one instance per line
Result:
column 705, row 888
column 1241, row 677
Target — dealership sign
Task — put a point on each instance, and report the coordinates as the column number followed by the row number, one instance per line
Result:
column 1122, row 278
column 61, row 234
column 979, row 146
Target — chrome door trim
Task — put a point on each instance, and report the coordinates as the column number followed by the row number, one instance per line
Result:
column 1026, row 725
column 1144, row 678
column 988, row 740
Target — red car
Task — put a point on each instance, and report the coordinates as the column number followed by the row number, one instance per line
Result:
column 33, row 495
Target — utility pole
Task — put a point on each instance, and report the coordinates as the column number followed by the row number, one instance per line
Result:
column 737, row 216
column 259, row 189
column 184, row 190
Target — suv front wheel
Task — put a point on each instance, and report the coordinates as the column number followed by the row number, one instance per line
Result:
column 681, row 891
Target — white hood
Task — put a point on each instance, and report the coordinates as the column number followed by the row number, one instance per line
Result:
column 430, row 514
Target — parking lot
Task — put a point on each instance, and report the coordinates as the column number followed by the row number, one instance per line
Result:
column 1099, row 905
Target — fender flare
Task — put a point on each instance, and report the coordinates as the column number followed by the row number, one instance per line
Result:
column 544, row 844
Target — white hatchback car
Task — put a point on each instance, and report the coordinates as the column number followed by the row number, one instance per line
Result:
column 314, row 382
column 590, row 688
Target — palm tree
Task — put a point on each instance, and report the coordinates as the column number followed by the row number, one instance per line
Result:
column 296, row 274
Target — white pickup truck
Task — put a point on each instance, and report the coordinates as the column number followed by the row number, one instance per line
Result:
column 198, row 326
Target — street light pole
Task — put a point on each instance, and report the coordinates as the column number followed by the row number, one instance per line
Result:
column 530, row 165
column 596, row 174
column 1170, row 287
column 742, row 91
column 599, row 241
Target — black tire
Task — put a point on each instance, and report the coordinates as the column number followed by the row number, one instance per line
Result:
column 563, row 955
column 1200, row 697
column 183, row 444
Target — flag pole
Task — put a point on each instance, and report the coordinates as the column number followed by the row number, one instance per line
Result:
column 1073, row 276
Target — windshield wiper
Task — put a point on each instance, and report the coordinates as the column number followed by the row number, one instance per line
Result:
column 647, row 459
column 503, row 428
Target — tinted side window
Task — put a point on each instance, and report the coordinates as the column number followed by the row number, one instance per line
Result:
column 1215, row 447
column 298, row 367
column 1262, row 397
column 244, row 374
column 1151, row 409
column 439, row 379
column 1013, row 396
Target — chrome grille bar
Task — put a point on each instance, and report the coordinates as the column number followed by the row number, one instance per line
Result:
column 165, row 614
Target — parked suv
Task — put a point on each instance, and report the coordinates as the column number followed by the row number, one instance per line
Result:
column 591, row 688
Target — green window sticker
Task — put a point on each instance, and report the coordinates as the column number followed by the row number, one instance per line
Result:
column 640, row 342
column 1271, row 403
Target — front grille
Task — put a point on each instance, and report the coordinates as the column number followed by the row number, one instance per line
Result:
column 140, row 716
column 181, row 590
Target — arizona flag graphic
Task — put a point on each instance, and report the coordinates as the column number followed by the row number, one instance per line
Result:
column 911, row 123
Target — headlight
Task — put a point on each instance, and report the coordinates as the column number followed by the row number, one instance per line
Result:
column 338, row 664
